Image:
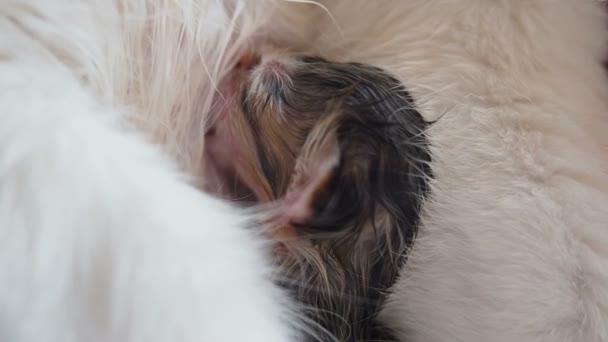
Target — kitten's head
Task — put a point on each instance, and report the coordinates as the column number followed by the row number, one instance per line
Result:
column 339, row 153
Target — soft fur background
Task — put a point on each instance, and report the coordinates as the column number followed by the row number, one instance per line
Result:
column 102, row 239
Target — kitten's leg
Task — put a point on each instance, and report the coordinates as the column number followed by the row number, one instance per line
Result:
column 100, row 238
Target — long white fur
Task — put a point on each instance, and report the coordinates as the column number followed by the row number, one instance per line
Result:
column 102, row 239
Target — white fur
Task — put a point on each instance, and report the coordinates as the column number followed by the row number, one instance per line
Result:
column 101, row 238
column 98, row 231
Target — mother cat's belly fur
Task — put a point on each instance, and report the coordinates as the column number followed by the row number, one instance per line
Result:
column 514, row 239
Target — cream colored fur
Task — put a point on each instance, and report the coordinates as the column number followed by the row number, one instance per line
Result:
column 101, row 239
column 514, row 239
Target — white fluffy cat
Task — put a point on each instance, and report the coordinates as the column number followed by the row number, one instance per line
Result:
column 103, row 239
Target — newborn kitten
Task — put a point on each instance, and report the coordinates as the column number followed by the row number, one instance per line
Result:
column 336, row 154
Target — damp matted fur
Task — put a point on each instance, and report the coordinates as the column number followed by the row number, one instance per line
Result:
column 339, row 151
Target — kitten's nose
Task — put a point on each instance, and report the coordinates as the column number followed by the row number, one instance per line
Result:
column 247, row 61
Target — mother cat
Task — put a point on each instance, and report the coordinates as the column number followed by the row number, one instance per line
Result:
column 102, row 239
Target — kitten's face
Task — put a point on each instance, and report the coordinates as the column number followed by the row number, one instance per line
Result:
column 265, row 125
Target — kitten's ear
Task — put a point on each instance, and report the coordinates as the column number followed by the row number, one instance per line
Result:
column 314, row 170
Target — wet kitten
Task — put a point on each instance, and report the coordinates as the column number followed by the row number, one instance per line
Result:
column 338, row 154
